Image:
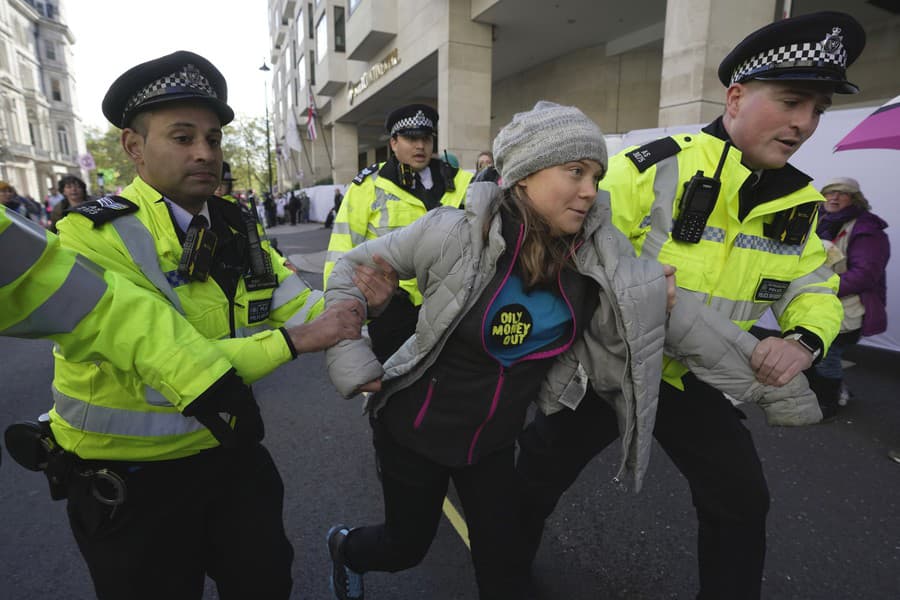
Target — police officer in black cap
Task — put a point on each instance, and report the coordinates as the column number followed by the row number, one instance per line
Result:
column 198, row 494
column 226, row 184
column 391, row 195
column 726, row 208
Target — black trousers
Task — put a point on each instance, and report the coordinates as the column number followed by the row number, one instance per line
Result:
column 217, row 513
column 702, row 433
column 414, row 490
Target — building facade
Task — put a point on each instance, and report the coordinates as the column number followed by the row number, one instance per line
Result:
column 41, row 134
column 628, row 65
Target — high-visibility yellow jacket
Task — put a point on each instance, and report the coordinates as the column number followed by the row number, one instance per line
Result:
column 734, row 268
column 103, row 412
column 49, row 292
column 374, row 206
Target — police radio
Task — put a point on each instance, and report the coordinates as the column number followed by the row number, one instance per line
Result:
column 791, row 226
column 697, row 203
column 197, row 253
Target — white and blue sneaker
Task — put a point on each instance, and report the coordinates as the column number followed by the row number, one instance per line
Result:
column 346, row 584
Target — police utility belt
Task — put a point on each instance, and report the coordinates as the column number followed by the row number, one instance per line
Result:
column 32, row 445
column 790, row 226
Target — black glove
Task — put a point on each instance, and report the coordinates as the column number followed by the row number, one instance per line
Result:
column 229, row 394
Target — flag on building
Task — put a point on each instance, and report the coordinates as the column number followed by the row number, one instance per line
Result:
column 311, row 118
column 291, row 135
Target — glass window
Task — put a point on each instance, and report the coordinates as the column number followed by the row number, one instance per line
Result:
column 299, row 24
column 339, row 40
column 312, row 67
column 322, row 36
column 56, row 90
column 50, row 49
column 353, row 4
column 301, row 72
column 309, row 20
column 63, row 137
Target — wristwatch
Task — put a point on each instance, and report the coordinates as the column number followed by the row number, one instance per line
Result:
column 808, row 341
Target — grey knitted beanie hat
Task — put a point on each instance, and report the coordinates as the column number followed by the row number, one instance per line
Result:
column 547, row 135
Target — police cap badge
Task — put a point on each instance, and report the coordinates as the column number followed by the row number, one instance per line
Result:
column 814, row 47
column 181, row 75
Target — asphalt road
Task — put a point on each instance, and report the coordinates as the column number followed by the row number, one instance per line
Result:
column 834, row 526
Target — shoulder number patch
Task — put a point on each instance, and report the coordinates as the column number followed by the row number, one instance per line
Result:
column 649, row 154
column 361, row 176
column 103, row 210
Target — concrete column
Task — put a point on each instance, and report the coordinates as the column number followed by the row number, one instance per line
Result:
column 464, row 86
column 345, row 149
column 699, row 33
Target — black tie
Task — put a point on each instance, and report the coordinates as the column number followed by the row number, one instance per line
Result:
column 199, row 222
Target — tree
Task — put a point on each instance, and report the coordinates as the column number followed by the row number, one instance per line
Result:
column 109, row 158
column 243, row 146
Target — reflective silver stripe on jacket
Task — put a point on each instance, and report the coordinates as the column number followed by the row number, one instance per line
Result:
column 292, row 286
column 664, row 185
column 154, row 397
column 302, row 315
column 384, row 218
column 768, row 245
column 21, row 245
column 66, row 307
column 814, row 283
column 140, row 245
column 116, row 421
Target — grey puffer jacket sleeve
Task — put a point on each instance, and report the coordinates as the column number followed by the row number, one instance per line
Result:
column 718, row 352
column 351, row 363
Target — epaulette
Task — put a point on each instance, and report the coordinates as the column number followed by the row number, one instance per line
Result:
column 361, row 176
column 103, row 210
column 649, row 154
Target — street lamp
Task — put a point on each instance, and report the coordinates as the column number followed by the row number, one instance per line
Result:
column 265, row 68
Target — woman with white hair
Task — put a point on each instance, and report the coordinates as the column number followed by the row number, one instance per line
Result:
column 858, row 251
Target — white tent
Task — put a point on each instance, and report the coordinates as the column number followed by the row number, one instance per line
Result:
column 874, row 169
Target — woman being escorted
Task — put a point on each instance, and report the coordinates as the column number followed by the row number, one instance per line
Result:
column 503, row 297
column 528, row 293
column 859, row 253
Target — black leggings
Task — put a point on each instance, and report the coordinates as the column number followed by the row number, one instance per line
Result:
column 414, row 490
column 702, row 433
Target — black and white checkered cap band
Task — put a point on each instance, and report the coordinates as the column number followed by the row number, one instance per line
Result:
column 417, row 121
column 188, row 78
column 807, row 54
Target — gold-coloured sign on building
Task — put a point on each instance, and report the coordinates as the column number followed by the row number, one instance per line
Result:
column 373, row 74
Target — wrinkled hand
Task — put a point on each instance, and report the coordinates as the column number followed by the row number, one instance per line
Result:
column 776, row 361
column 372, row 386
column 341, row 321
column 669, row 272
column 377, row 283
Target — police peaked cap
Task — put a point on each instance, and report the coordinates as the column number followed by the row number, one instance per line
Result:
column 412, row 119
column 181, row 75
column 814, row 47
column 226, row 172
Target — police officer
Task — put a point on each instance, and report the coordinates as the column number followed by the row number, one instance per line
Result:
column 393, row 194
column 737, row 220
column 226, row 185
column 203, row 494
column 49, row 292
